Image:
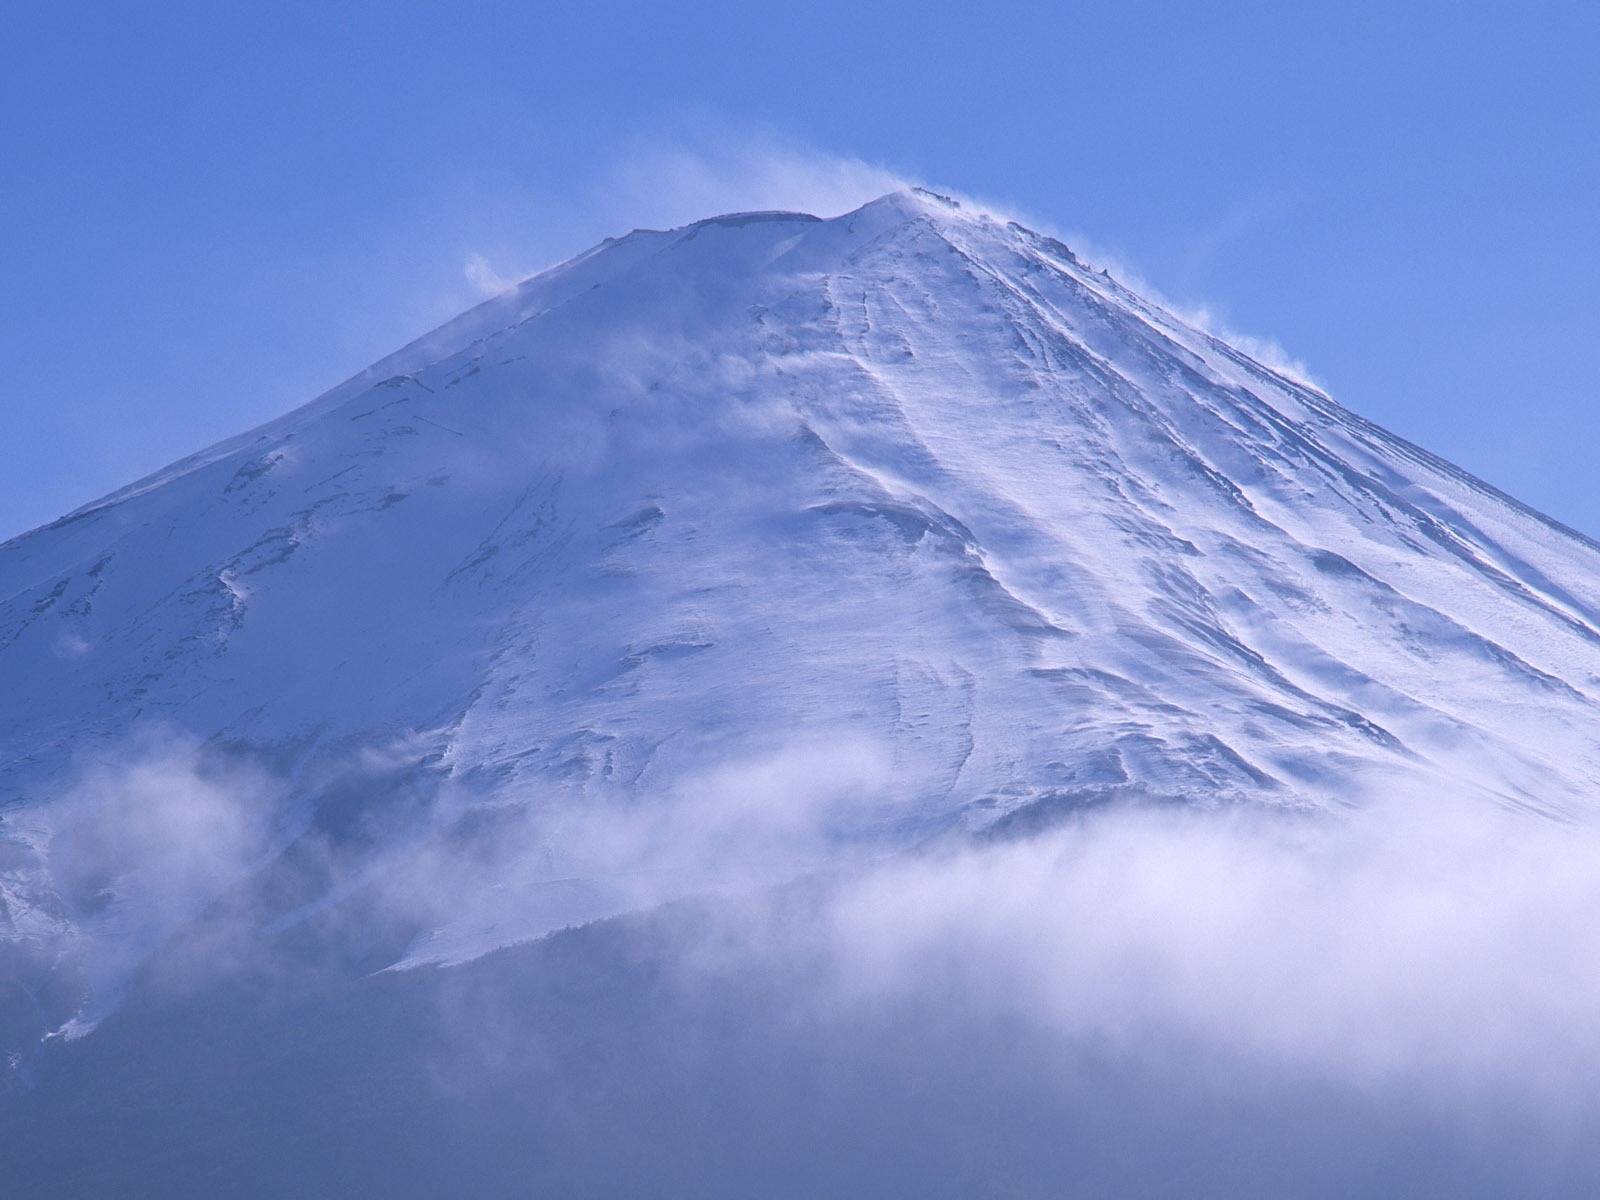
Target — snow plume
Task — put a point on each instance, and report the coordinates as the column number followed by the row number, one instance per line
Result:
column 484, row 277
column 711, row 166
column 1264, row 350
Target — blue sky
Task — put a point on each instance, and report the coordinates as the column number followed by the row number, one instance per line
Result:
column 210, row 216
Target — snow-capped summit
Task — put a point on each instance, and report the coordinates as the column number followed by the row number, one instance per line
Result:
column 720, row 552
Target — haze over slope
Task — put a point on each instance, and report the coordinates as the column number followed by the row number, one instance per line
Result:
column 718, row 554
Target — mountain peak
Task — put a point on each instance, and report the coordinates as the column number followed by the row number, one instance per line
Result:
column 914, row 201
column 836, row 534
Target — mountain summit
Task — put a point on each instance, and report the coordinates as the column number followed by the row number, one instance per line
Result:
column 719, row 554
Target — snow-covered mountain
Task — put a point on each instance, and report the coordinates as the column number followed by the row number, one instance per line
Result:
column 717, row 554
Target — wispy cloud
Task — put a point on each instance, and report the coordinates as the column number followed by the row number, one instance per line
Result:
column 142, row 842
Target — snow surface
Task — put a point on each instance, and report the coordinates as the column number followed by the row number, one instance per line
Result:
column 719, row 553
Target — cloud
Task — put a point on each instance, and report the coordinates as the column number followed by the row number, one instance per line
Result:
column 1440, row 948
column 1421, row 949
column 524, row 866
column 1144, row 980
column 141, row 843
column 1399, row 1001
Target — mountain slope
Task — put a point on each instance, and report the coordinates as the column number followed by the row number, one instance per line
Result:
column 717, row 554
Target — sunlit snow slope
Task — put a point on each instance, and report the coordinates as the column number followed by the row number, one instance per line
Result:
column 717, row 552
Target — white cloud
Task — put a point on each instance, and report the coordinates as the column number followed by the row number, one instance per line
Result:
column 748, row 823
column 142, row 842
column 1424, row 945
column 1416, row 955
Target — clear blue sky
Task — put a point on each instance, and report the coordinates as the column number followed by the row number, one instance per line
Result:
column 213, row 212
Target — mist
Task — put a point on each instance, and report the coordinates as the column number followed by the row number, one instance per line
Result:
column 736, row 976
column 1144, row 999
column 1443, row 949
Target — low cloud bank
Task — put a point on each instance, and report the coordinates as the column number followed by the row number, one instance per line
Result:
column 1401, row 1000
column 1449, row 949
column 1436, row 944
column 1134, row 976
column 1420, row 954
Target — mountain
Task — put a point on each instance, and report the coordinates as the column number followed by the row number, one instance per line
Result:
column 720, row 556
